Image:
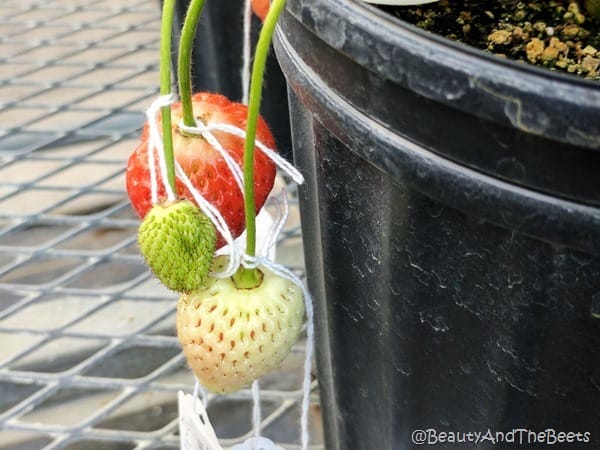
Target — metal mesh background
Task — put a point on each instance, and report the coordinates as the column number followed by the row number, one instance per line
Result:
column 88, row 353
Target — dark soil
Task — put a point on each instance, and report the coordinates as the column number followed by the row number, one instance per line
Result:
column 556, row 34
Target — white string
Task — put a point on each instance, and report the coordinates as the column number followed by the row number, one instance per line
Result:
column 199, row 390
column 275, row 230
column 218, row 221
column 246, row 56
column 206, row 130
column 256, row 412
column 284, row 272
column 271, row 241
column 212, row 213
column 279, row 161
column 201, row 129
column 282, row 163
column 155, row 145
column 196, row 388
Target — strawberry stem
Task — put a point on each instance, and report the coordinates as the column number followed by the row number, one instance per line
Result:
column 256, row 83
column 184, row 62
column 165, row 87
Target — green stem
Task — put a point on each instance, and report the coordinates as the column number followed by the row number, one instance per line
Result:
column 256, row 83
column 251, row 278
column 165, row 87
column 184, row 62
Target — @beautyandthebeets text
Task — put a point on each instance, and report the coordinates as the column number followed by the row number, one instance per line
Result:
column 516, row 436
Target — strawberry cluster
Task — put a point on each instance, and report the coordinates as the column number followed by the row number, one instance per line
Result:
column 233, row 329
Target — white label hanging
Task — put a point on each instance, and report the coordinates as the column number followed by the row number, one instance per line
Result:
column 260, row 443
column 195, row 430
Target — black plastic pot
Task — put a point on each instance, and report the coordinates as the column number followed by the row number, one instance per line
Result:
column 451, row 220
column 217, row 63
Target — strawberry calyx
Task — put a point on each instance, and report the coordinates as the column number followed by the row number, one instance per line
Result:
column 246, row 278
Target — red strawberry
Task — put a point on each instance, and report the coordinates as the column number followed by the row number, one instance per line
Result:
column 260, row 8
column 204, row 166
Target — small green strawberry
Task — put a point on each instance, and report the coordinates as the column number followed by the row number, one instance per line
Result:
column 232, row 336
column 178, row 244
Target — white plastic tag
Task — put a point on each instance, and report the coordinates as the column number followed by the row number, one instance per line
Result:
column 195, row 430
column 260, row 443
column 264, row 225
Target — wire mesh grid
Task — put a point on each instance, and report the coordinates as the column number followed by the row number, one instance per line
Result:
column 88, row 353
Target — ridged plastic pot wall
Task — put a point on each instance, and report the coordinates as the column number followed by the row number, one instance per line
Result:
column 451, row 221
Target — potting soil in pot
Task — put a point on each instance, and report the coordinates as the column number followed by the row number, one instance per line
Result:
column 560, row 35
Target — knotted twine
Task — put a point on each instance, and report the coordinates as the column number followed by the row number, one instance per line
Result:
column 237, row 256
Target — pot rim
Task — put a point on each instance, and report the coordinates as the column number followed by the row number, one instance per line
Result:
column 369, row 11
column 521, row 209
column 529, row 98
column 393, row 30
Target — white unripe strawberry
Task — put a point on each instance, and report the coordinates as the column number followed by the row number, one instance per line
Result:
column 232, row 336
